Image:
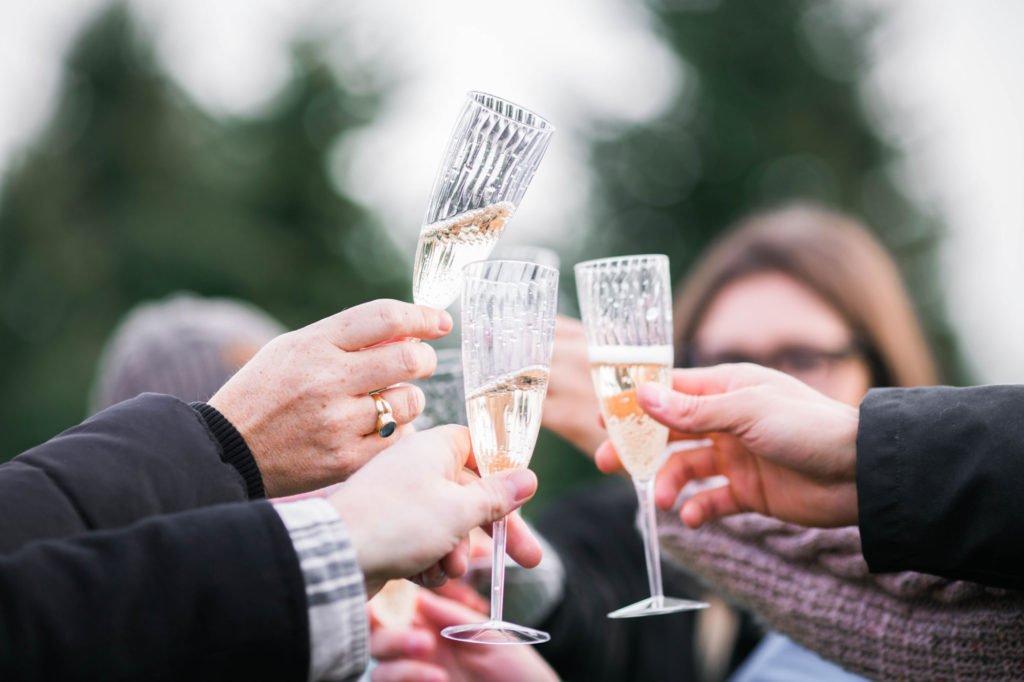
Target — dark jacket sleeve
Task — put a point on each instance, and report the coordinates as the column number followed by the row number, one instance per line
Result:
column 150, row 455
column 940, row 482
column 594, row 532
column 212, row 594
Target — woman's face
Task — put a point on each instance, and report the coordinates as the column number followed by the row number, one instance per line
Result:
column 774, row 320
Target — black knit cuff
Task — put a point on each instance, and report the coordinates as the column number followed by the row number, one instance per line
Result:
column 233, row 449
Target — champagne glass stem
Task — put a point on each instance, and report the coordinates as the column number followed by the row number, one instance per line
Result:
column 497, row 570
column 649, row 532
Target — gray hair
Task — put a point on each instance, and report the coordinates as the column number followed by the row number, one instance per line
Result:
column 184, row 345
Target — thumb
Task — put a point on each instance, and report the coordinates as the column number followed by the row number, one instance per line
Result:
column 689, row 413
column 494, row 497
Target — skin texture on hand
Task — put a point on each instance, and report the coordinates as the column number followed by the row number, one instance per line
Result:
column 787, row 450
column 420, row 654
column 302, row 402
column 414, row 505
column 570, row 408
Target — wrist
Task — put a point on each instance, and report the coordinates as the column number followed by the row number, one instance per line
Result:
column 338, row 627
column 373, row 568
column 847, row 454
column 232, row 447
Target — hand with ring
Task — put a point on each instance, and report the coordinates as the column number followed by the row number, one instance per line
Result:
column 303, row 404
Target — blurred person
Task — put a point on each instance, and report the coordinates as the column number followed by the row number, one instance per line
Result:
column 804, row 289
column 811, row 294
column 184, row 345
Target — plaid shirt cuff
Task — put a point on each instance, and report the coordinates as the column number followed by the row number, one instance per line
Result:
column 335, row 593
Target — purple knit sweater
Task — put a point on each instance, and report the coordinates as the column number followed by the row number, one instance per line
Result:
column 814, row 586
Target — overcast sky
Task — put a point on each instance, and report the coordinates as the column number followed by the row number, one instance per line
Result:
column 945, row 86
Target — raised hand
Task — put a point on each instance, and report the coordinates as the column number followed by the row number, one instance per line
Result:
column 302, row 402
column 787, row 450
column 415, row 503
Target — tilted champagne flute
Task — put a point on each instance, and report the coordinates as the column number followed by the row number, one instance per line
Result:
column 626, row 305
column 508, row 331
column 491, row 158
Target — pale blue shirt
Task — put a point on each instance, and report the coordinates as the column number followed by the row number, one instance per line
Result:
column 779, row 659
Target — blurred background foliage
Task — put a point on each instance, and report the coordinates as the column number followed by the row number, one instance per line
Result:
column 132, row 191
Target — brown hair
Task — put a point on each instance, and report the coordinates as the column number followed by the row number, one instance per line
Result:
column 837, row 258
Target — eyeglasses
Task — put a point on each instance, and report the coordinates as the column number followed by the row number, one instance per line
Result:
column 810, row 365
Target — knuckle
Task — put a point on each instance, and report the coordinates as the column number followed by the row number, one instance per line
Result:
column 415, row 401
column 684, row 405
column 492, row 503
column 389, row 314
column 411, row 358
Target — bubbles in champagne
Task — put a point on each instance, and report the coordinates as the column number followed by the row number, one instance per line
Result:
column 447, row 246
column 618, row 371
column 504, row 419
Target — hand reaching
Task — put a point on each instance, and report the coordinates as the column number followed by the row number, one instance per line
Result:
column 302, row 402
column 787, row 450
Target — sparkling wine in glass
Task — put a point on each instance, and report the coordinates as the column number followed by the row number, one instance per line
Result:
column 508, row 331
column 491, row 158
column 626, row 305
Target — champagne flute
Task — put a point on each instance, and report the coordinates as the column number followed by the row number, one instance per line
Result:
column 626, row 305
column 508, row 331
column 540, row 255
column 443, row 390
column 491, row 157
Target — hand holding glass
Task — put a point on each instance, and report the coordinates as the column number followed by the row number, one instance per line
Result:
column 508, row 331
column 626, row 305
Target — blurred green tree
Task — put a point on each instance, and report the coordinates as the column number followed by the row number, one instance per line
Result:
column 132, row 192
column 769, row 111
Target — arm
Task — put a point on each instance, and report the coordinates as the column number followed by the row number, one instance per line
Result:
column 243, row 591
column 208, row 594
column 814, row 586
column 150, row 455
column 940, row 482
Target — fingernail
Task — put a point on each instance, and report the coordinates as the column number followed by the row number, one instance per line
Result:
column 521, row 484
column 652, row 395
column 692, row 514
column 446, row 322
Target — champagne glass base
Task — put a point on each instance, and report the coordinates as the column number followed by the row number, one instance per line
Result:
column 495, row 632
column 653, row 606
